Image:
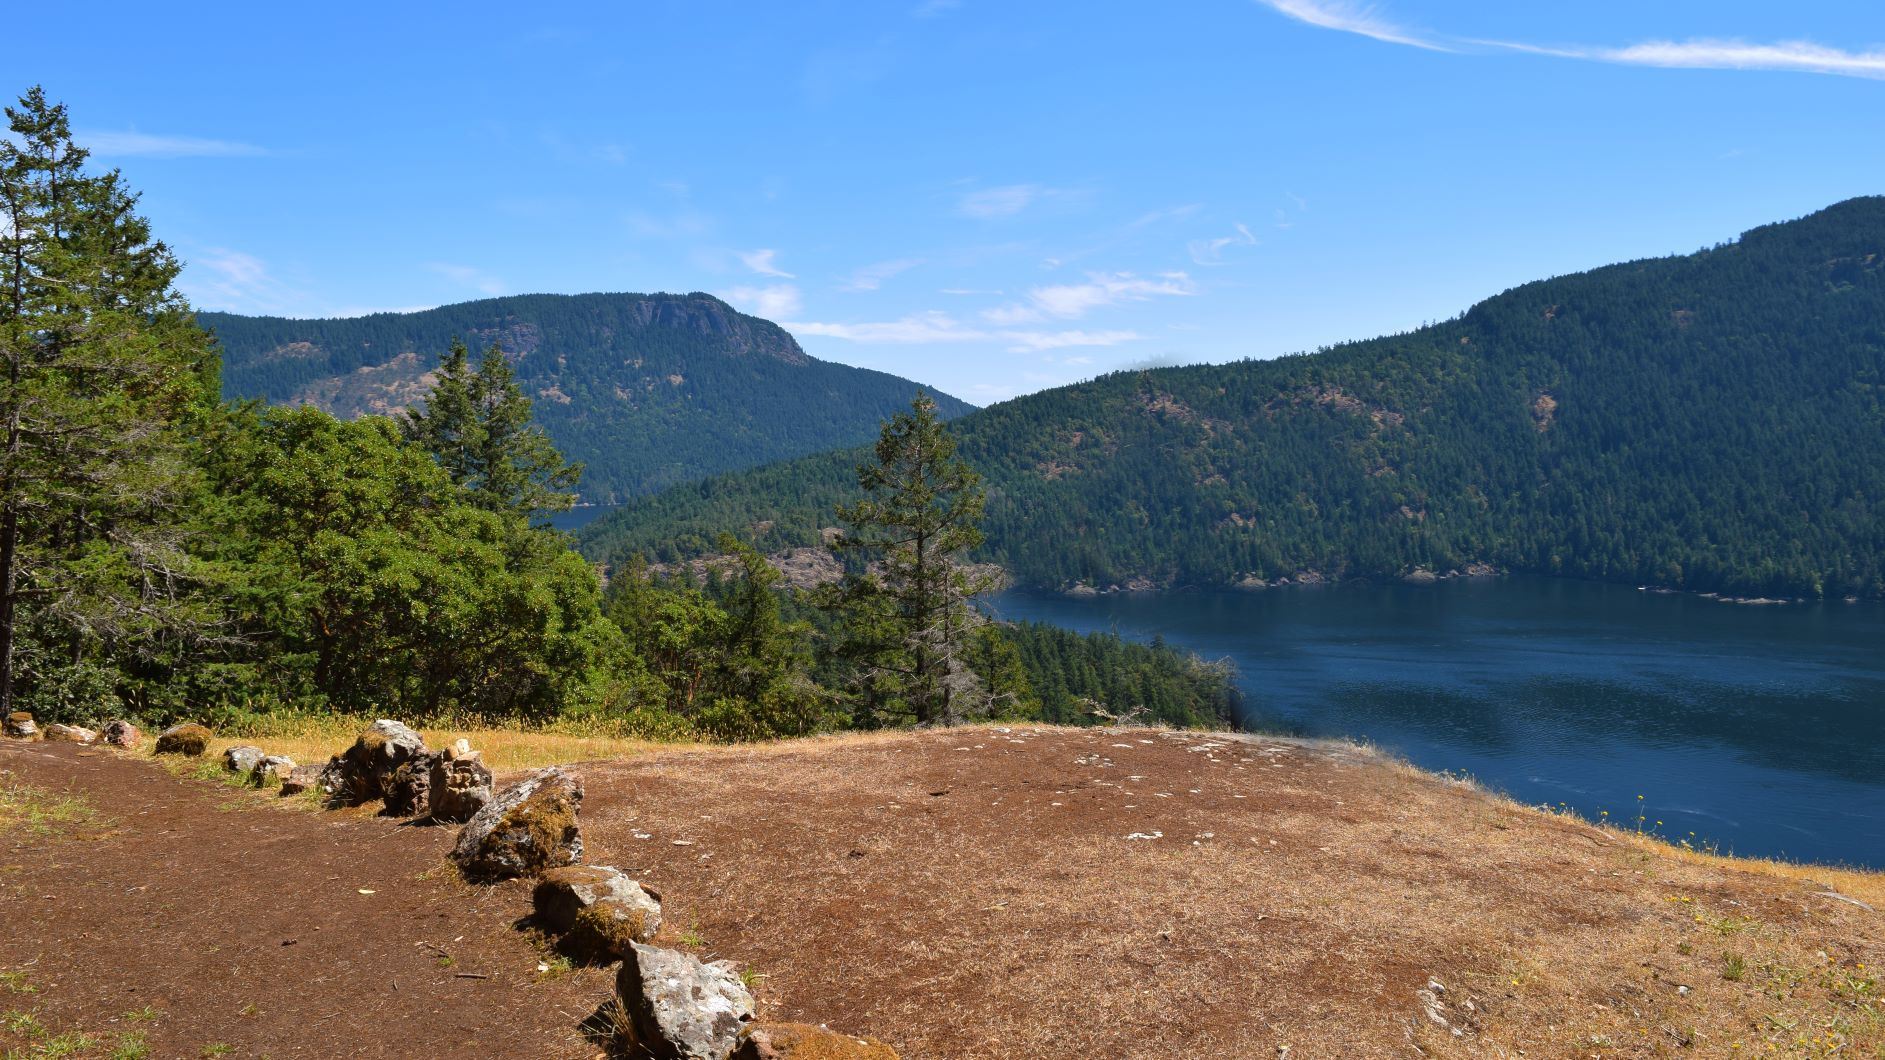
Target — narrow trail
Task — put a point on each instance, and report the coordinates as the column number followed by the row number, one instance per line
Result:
column 252, row 928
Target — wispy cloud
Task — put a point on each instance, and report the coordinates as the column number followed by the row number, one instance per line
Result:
column 761, row 262
column 147, row 145
column 937, row 327
column 1696, row 53
column 1005, row 201
column 1169, row 213
column 1363, row 19
column 466, row 276
column 871, row 277
column 774, row 302
column 1211, row 251
column 1068, row 301
column 221, row 278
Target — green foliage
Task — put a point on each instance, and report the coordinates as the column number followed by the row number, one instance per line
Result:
column 1712, row 422
column 904, row 620
column 646, row 391
column 1070, row 673
column 477, row 424
column 101, row 371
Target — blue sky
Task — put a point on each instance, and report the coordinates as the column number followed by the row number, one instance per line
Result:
column 989, row 197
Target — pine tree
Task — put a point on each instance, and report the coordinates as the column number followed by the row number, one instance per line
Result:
column 100, row 361
column 477, row 423
column 907, row 619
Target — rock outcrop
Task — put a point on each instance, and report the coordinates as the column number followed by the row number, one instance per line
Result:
column 121, row 733
column 19, row 725
column 187, row 738
column 461, row 784
column 70, row 733
column 526, row 828
column 243, row 758
column 676, row 1007
column 800, row 1041
column 598, row 910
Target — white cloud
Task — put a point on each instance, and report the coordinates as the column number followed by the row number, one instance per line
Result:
column 760, row 261
column 466, row 276
column 871, row 277
column 220, row 278
column 1170, row 213
column 1350, row 18
column 773, row 302
column 963, row 291
column 145, row 145
column 1073, row 300
column 1211, row 251
column 1696, row 53
column 935, row 327
column 1034, row 341
column 1004, row 201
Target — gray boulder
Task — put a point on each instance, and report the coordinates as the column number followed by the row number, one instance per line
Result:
column 274, row 768
column 598, row 910
column 676, row 1007
column 301, row 779
column 121, row 733
column 461, row 784
column 408, row 791
column 70, row 734
column 243, row 758
column 19, row 725
column 524, row 829
column 365, row 772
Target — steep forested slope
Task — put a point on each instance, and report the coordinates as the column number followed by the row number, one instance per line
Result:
column 1708, row 421
column 647, row 390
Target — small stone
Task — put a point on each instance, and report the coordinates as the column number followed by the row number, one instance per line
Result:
column 19, row 725
column 70, row 734
column 272, row 768
column 676, row 1007
column 243, row 758
column 187, row 738
column 121, row 733
column 524, row 829
column 301, row 779
column 786, row 1041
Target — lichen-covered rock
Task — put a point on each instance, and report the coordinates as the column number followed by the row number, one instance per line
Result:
column 409, row 789
column 70, row 734
column 800, row 1041
column 461, row 784
column 597, row 909
column 524, row 829
column 301, row 779
column 676, row 1007
column 19, row 725
column 365, row 771
column 188, row 738
column 272, row 769
column 121, row 733
column 243, row 758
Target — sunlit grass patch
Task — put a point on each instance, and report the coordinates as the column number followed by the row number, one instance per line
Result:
column 35, row 811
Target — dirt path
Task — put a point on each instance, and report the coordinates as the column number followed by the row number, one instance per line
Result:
column 214, row 926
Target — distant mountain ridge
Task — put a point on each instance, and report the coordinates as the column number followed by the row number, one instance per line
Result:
column 1712, row 421
column 647, row 390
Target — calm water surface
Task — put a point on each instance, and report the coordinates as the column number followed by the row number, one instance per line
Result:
column 1759, row 728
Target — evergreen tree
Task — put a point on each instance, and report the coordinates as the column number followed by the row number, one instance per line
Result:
column 100, row 361
column 906, row 619
column 477, row 424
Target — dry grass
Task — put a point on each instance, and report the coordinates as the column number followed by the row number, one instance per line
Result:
column 40, row 813
column 310, row 740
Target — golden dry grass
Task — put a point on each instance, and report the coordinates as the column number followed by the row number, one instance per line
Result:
column 310, row 740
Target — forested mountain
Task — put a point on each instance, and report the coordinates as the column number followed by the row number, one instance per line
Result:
column 645, row 390
column 1711, row 421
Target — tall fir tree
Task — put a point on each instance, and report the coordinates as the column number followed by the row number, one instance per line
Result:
column 477, row 423
column 100, row 362
column 907, row 618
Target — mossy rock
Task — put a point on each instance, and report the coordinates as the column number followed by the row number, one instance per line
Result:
column 525, row 829
column 188, row 739
column 20, row 726
column 603, row 931
column 802, row 1041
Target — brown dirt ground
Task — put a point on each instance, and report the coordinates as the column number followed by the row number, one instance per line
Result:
column 247, row 930
column 971, row 893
